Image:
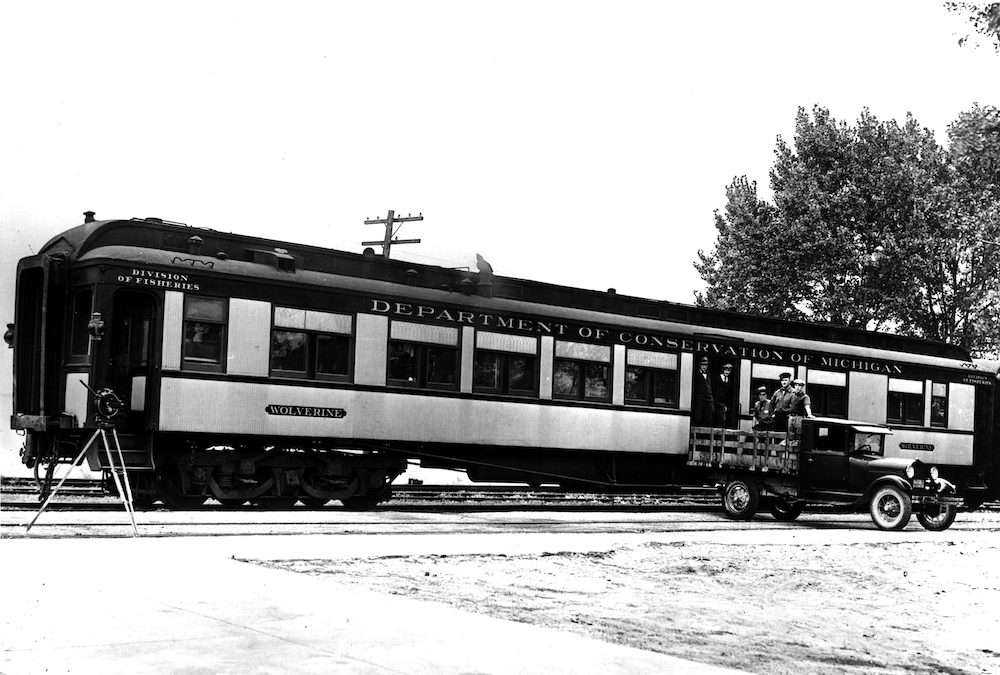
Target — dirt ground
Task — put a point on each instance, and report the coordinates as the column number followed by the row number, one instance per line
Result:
column 893, row 607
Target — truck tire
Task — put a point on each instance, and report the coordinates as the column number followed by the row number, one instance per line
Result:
column 890, row 508
column 740, row 499
column 938, row 518
column 782, row 510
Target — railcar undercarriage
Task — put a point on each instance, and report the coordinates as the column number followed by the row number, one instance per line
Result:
column 185, row 471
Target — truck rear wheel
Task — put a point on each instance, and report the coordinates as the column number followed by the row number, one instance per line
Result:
column 890, row 508
column 740, row 499
column 938, row 518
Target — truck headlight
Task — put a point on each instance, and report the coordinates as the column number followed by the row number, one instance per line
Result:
column 910, row 471
column 934, row 473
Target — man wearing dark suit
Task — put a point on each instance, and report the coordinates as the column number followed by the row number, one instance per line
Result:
column 722, row 392
column 702, row 402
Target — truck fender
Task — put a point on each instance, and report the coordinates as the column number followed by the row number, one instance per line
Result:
column 887, row 480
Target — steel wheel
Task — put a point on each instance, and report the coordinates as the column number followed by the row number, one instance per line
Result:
column 890, row 508
column 740, row 499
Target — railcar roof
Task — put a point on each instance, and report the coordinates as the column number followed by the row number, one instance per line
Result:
column 164, row 235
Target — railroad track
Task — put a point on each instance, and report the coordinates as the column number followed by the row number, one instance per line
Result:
column 87, row 490
column 83, row 493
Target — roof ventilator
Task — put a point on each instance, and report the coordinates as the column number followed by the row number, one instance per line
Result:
column 278, row 258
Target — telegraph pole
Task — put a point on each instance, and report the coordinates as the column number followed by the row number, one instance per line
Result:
column 389, row 221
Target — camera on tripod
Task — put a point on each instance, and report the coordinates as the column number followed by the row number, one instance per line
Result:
column 107, row 405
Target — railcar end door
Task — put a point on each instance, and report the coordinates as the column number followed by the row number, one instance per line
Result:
column 131, row 359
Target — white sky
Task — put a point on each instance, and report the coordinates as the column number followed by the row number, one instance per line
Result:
column 578, row 143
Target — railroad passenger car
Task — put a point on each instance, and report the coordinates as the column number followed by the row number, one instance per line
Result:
column 265, row 371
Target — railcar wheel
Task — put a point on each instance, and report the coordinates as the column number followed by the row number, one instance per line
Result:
column 740, row 499
column 275, row 503
column 314, row 502
column 890, row 508
column 782, row 510
column 938, row 518
column 228, row 503
column 368, row 500
column 172, row 497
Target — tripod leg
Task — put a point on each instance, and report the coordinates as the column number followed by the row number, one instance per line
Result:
column 121, row 460
column 125, row 496
column 76, row 463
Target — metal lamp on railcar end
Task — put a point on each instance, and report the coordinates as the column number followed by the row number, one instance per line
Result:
column 8, row 336
column 96, row 326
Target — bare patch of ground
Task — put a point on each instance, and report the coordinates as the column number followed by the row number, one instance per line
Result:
column 907, row 607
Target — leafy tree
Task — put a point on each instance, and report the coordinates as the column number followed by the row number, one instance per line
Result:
column 984, row 17
column 835, row 246
column 959, row 280
column 874, row 225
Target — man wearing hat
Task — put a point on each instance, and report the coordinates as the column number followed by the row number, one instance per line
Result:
column 781, row 403
column 702, row 402
column 801, row 406
column 722, row 392
column 762, row 419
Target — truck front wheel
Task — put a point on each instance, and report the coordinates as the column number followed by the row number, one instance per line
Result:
column 937, row 518
column 891, row 508
column 740, row 499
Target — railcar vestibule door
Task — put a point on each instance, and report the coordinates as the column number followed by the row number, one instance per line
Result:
column 131, row 358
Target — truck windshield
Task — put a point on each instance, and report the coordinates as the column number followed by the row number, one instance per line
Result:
column 868, row 444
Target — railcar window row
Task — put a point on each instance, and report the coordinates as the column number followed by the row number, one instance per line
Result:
column 310, row 344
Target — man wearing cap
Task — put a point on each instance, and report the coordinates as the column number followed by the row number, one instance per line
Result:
column 781, row 403
column 722, row 392
column 702, row 402
column 762, row 411
column 801, row 405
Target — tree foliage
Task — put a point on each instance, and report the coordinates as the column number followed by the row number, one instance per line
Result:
column 873, row 225
column 984, row 17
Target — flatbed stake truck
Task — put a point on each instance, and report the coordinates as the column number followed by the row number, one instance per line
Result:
column 821, row 461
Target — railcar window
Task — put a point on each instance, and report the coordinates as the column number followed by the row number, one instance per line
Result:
column 580, row 380
column 651, row 378
column 311, row 344
column 289, row 351
column 504, row 373
column 423, row 365
column 650, row 386
column 204, row 332
column 333, row 355
column 828, row 400
column 82, row 304
column 939, row 404
column 905, row 408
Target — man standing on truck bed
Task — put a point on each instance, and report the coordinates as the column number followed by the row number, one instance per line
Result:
column 781, row 403
column 801, row 404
